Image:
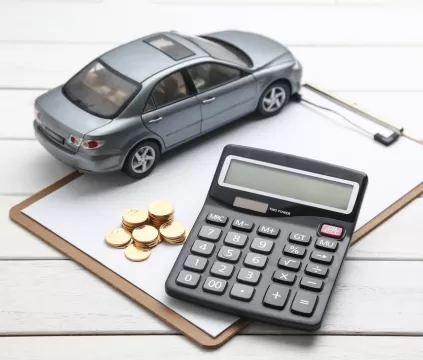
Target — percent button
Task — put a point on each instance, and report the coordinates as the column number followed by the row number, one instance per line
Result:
column 295, row 251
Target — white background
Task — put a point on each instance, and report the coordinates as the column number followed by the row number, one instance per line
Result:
column 368, row 51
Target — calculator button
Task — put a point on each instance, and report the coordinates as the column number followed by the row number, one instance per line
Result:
column 235, row 239
column 332, row 231
column 202, row 248
column 243, row 225
column 290, row 264
column 242, row 292
column 326, row 244
column 269, row 231
column 222, row 270
column 299, row 238
column 214, row 285
column 321, row 257
column 229, row 254
column 216, row 219
column 316, row 270
column 304, row 303
column 195, row 263
column 284, row 277
column 262, row 246
column 294, row 250
column 249, row 276
column 311, row 284
column 209, row 233
column 188, row 279
column 255, row 261
column 276, row 296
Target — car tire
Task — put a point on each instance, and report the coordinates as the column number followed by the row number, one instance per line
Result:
column 142, row 160
column 273, row 99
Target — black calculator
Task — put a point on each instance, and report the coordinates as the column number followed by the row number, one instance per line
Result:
column 271, row 237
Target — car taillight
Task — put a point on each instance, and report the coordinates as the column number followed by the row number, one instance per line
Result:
column 85, row 143
column 37, row 116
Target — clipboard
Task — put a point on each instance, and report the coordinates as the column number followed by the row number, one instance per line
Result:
column 163, row 312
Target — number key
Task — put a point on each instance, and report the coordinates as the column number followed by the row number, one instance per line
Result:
column 202, row 248
column 188, row 279
column 195, row 263
column 209, row 233
column 229, row 254
column 262, row 246
column 294, row 250
column 222, row 270
column 214, row 285
column 235, row 239
column 249, row 276
column 255, row 261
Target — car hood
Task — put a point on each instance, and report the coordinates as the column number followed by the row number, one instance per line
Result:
column 57, row 111
column 260, row 49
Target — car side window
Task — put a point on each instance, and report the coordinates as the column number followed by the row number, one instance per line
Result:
column 209, row 75
column 170, row 89
column 149, row 105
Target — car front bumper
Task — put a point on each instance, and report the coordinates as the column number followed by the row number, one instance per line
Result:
column 81, row 161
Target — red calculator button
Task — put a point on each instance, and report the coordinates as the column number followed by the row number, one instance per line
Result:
column 332, row 231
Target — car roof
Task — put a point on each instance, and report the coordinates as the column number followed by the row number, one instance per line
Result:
column 143, row 57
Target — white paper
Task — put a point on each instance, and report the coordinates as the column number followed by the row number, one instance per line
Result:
column 82, row 211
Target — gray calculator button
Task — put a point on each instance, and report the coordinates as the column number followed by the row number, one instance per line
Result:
column 222, row 270
column 276, row 296
column 321, row 257
column 284, row 277
column 202, row 248
column 216, row 219
column 269, row 231
column 214, row 285
column 311, row 284
column 294, row 250
column 326, row 244
column 188, row 279
column 255, row 261
column 298, row 238
column 249, row 276
column 235, row 239
column 262, row 246
column 229, row 254
column 243, row 225
column 304, row 303
column 290, row 264
column 316, row 270
column 209, row 233
column 242, row 292
column 195, row 263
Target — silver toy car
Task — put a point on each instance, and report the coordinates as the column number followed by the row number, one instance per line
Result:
column 150, row 95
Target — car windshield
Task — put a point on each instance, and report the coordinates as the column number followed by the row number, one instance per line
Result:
column 99, row 90
column 223, row 51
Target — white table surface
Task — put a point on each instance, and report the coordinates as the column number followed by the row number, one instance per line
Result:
column 368, row 51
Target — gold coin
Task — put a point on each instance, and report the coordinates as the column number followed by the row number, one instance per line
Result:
column 145, row 234
column 135, row 216
column 134, row 254
column 172, row 230
column 161, row 208
column 118, row 237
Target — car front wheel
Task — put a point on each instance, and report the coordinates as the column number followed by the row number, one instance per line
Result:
column 273, row 99
column 141, row 160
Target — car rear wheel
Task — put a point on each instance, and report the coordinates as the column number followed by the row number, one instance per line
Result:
column 273, row 99
column 141, row 161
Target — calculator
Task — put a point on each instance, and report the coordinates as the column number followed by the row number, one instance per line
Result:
column 271, row 237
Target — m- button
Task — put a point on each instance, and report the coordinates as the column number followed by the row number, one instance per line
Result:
column 243, row 225
column 269, row 231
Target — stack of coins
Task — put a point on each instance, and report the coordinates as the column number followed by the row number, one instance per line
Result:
column 133, row 218
column 145, row 237
column 118, row 238
column 161, row 212
column 173, row 233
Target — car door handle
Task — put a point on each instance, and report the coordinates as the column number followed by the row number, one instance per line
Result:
column 157, row 119
column 209, row 100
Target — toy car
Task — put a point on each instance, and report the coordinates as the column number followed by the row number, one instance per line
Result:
column 133, row 103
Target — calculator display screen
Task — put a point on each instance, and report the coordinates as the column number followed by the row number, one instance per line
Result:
column 290, row 184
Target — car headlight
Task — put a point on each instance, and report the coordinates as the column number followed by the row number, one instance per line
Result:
column 297, row 65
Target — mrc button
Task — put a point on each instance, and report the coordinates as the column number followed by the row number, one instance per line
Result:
column 331, row 231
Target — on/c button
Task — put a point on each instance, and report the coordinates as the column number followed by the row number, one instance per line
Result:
column 332, row 231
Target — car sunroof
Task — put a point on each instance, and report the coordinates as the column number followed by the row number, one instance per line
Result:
column 169, row 46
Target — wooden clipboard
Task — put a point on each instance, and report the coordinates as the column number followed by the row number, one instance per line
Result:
column 142, row 298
